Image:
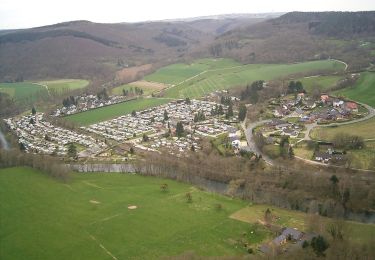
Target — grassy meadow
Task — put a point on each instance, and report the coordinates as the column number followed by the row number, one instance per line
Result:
column 31, row 91
column 176, row 73
column 65, row 84
column 225, row 78
column 109, row 112
column 322, row 83
column 363, row 91
column 88, row 217
column 23, row 90
column 364, row 129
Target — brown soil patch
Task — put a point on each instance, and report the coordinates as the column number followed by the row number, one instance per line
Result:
column 149, row 85
column 133, row 73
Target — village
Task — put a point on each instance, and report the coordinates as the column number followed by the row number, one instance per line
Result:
column 326, row 109
column 174, row 128
column 294, row 116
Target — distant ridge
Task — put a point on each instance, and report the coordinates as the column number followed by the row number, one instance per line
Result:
column 227, row 16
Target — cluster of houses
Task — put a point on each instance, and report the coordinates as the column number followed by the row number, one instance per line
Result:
column 330, row 155
column 279, row 127
column 327, row 108
column 86, row 102
column 121, row 128
column 212, row 128
column 39, row 136
column 287, row 234
column 173, row 146
column 157, row 122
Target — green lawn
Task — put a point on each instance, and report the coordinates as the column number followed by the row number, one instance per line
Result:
column 176, row 73
column 321, row 82
column 23, row 90
column 363, row 91
column 364, row 129
column 109, row 112
column 44, row 219
column 65, row 84
column 226, row 78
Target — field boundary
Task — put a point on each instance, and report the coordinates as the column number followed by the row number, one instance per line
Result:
column 103, row 247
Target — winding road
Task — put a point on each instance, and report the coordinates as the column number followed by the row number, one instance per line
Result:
column 251, row 145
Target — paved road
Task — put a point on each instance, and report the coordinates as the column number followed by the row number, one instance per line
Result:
column 251, row 146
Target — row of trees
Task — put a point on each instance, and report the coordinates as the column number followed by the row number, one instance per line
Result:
column 135, row 90
column 348, row 141
column 67, row 102
column 47, row 164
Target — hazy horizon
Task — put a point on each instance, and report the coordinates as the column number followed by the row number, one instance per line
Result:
column 16, row 14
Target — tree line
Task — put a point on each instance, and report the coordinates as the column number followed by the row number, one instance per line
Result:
column 44, row 163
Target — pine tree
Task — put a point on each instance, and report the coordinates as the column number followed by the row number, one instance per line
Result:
column 179, row 129
column 230, row 110
column 220, row 110
column 33, row 111
column 242, row 112
column 72, row 151
column 166, row 117
column 291, row 153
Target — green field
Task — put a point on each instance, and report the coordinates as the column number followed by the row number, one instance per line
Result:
column 323, row 83
column 23, row 90
column 225, row 78
column 109, row 112
column 363, row 91
column 364, row 129
column 45, row 219
column 65, row 84
column 175, row 73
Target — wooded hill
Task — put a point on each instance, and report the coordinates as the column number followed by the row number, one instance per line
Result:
column 83, row 49
column 301, row 36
